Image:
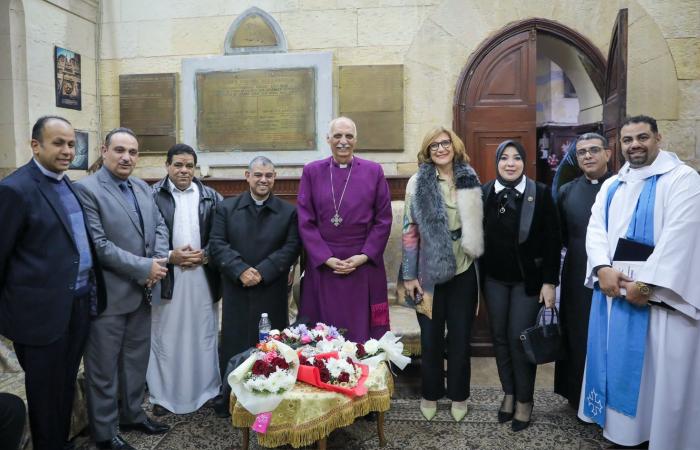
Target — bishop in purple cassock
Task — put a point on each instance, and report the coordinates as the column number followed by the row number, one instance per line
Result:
column 344, row 210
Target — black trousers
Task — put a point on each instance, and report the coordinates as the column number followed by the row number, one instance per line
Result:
column 454, row 303
column 12, row 413
column 511, row 311
column 50, row 373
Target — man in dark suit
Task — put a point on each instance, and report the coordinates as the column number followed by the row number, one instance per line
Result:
column 132, row 244
column 50, row 279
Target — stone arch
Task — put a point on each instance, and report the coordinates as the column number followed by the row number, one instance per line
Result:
column 267, row 25
column 457, row 28
column 14, row 119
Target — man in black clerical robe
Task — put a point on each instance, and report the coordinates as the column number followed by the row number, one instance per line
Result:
column 575, row 200
column 253, row 243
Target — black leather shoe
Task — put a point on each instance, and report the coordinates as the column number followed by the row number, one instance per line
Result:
column 504, row 417
column 116, row 443
column 148, row 426
column 159, row 411
column 518, row 425
column 220, row 406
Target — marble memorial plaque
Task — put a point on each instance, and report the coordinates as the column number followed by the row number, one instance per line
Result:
column 373, row 97
column 147, row 105
column 256, row 110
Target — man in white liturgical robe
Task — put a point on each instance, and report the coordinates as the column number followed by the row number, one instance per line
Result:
column 642, row 380
column 183, row 369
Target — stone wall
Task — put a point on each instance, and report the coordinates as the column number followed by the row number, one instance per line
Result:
column 70, row 24
column 432, row 38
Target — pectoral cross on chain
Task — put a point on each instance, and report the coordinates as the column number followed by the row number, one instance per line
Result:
column 336, row 220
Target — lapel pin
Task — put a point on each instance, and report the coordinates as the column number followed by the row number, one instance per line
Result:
column 529, row 199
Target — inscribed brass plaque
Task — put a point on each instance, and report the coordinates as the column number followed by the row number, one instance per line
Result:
column 254, row 31
column 147, row 105
column 251, row 110
column 373, row 97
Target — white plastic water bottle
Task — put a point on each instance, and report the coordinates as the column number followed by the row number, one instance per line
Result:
column 264, row 327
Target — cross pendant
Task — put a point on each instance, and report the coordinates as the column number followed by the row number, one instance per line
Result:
column 336, row 220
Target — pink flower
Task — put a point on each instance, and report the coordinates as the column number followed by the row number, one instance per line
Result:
column 305, row 339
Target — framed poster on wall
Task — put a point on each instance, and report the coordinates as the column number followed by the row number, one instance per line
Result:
column 67, row 72
column 80, row 162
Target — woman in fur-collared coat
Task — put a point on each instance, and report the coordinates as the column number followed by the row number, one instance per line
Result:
column 442, row 237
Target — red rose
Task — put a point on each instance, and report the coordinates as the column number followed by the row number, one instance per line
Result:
column 277, row 337
column 361, row 351
column 304, row 361
column 318, row 362
column 319, row 338
column 280, row 362
column 325, row 375
column 258, row 367
column 344, row 377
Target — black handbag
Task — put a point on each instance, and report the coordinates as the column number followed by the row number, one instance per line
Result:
column 543, row 343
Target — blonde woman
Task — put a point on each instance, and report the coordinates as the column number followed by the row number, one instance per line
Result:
column 442, row 237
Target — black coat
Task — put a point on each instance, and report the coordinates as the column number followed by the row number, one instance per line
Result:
column 208, row 201
column 267, row 239
column 539, row 254
column 38, row 260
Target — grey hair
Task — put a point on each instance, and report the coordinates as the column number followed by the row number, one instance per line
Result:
column 261, row 160
column 587, row 136
column 338, row 119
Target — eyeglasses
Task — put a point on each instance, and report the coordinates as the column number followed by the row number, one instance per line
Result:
column 581, row 153
column 446, row 144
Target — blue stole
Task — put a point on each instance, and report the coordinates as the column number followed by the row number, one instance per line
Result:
column 616, row 355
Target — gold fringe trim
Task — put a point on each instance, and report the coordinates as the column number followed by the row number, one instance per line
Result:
column 411, row 347
column 313, row 431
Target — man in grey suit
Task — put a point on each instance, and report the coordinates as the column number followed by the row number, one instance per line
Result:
column 131, row 241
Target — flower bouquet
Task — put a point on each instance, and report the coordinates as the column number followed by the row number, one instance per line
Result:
column 261, row 380
column 300, row 335
column 334, row 373
column 373, row 352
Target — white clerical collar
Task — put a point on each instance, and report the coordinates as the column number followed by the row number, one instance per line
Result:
column 175, row 190
column 664, row 162
column 343, row 166
column 520, row 187
column 259, row 202
column 48, row 173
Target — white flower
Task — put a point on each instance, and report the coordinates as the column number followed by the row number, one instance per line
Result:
column 372, row 346
column 274, row 332
column 348, row 349
column 325, row 346
column 290, row 334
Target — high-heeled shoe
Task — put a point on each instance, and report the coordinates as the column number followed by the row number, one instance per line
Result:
column 459, row 410
column 521, row 410
column 505, row 412
column 427, row 410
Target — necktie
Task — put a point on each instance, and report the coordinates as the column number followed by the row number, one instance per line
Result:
column 131, row 200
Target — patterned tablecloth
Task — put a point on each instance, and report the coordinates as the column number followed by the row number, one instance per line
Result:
column 308, row 414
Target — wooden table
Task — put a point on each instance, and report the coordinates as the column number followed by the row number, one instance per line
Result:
column 309, row 414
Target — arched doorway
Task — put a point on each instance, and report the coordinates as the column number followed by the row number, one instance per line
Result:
column 496, row 99
column 496, row 95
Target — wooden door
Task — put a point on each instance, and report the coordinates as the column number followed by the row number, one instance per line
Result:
column 615, row 92
column 498, row 102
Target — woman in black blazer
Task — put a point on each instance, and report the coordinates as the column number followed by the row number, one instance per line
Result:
column 521, row 269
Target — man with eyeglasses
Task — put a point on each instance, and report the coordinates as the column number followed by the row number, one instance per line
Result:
column 183, row 369
column 574, row 204
column 643, row 244
column 254, row 242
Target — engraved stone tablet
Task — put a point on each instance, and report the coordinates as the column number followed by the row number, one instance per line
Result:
column 256, row 110
column 373, row 97
column 254, row 31
column 147, row 106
